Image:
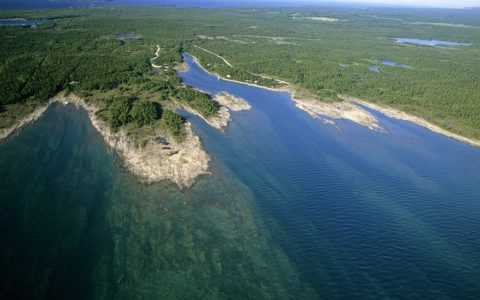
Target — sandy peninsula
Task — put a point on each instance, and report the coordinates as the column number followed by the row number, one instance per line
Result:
column 179, row 162
column 231, row 102
column 219, row 121
column 227, row 103
column 338, row 110
column 401, row 115
column 163, row 158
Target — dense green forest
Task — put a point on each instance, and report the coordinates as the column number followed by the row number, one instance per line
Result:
column 103, row 52
column 101, row 59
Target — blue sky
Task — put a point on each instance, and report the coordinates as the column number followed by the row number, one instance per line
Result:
column 423, row 3
column 434, row 3
column 418, row 3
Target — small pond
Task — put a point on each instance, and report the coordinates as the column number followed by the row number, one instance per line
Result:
column 432, row 43
column 393, row 64
column 126, row 36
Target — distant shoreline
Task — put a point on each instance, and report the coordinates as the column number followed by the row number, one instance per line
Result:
column 401, row 115
column 334, row 110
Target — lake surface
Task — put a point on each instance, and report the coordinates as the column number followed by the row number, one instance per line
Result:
column 22, row 22
column 360, row 213
column 293, row 209
column 393, row 64
column 432, row 43
column 126, row 36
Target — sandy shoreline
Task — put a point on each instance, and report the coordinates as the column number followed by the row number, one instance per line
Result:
column 231, row 102
column 30, row 118
column 179, row 162
column 350, row 111
column 401, row 115
column 223, row 118
column 220, row 121
column 318, row 109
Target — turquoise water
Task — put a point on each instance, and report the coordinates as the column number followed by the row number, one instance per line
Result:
column 74, row 225
column 294, row 210
column 429, row 42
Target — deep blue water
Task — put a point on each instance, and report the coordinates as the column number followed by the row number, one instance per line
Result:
column 432, row 43
column 362, row 214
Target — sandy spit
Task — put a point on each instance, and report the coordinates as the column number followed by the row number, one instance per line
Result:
column 231, row 102
column 223, row 118
column 219, row 121
column 401, row 115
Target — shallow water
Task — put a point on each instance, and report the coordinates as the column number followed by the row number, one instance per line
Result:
column 73, row 225
column 374, row 69
column 429, row 42
column 360, row 213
